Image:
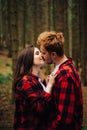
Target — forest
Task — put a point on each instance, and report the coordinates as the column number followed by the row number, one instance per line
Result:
column 21, row 21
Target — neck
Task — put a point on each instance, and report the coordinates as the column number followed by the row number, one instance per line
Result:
column 36, row 70
column 60, row 60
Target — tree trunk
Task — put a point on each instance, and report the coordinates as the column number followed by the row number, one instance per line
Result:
column 83, row 44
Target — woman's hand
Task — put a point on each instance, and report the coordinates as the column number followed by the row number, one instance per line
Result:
column 50, row 81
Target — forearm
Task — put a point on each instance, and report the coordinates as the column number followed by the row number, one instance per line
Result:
column 50, row 83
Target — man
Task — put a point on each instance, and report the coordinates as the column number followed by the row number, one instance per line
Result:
column 67, row 113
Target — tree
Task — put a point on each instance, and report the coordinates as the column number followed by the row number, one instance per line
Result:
column 83, row 39
column 21, row 6
column 3, row 6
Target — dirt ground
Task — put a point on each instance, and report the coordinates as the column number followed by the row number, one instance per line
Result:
column 6, row 112
column 84, row 106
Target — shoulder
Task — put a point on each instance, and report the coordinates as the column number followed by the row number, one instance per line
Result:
column 25, row 82
column 66, row 70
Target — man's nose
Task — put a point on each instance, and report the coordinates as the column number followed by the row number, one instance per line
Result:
column 42, row 55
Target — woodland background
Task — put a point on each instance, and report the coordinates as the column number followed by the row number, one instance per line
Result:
column 21, row 21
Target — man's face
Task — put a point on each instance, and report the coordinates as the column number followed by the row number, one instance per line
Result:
column 46, row 55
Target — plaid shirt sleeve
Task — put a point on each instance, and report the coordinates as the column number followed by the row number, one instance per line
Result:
column 32, row 105
column 38, row 99
column 68, row 97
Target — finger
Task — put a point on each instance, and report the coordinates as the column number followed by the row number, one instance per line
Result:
column 53, row 75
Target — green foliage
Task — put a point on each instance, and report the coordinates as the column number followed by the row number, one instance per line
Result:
column 5, row 79
column 84, row 128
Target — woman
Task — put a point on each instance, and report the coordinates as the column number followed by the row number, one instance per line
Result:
column 32, row 99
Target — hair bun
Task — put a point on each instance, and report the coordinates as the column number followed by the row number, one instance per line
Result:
column 60, row 37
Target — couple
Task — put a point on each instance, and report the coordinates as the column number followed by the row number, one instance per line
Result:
column 58, row 105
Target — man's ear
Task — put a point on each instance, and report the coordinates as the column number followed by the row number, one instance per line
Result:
column 53, row 54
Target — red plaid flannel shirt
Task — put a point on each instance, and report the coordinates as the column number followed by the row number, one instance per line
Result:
column 67, row 94
column 32, row 105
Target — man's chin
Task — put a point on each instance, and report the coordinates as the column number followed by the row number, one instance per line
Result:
column 48, row 63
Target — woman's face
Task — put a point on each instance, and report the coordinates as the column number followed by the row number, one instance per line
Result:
column 38, row 61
